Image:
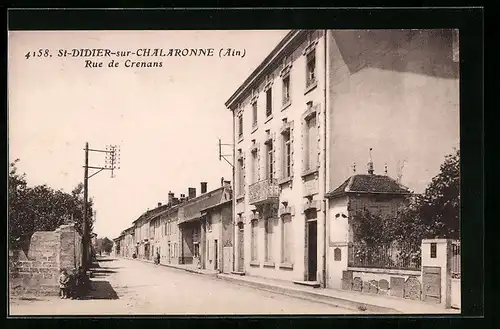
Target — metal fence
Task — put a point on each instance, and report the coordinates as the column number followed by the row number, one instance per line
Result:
column 389, row 256
column 455, row 259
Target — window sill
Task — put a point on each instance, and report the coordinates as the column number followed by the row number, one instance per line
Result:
column 254, row 129
column 286, row 266
column 269, row 118
column 286, row 105
column 269, row 264
column 240, row 197
column 312, row 85
column 255, row 263
column 240, row 139
column 285, row 180
column 309, row 172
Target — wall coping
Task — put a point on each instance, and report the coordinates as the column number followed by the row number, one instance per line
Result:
column 435, row 240
column 384, row 271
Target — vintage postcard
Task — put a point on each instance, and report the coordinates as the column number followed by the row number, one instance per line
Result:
column 234, row 172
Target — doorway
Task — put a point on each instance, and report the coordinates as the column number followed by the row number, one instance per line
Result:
column 241, row 255
column 169, row 253
column 312, row 250
column 216, row 255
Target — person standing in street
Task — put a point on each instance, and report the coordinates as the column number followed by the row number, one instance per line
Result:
column 157, row 258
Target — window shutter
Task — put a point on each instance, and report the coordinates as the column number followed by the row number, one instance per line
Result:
column 244, row 173
column 303, row 142
column 258, row 163
column 275, row 145
column 291, row 149
column 318, row 136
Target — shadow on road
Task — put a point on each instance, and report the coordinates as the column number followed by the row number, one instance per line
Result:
column 100, row 260
column 101, row 290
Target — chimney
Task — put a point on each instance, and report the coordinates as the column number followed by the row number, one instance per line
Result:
column 170, row 197
column 182, row 198
column 227, row 184
column 159, row 204
column 192, row 192
column 203, row 187
column 370, row 163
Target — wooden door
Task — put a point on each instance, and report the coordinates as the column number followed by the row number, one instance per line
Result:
column 241, row 248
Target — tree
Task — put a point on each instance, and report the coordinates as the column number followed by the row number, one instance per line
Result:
column 434, row 214
column 440, row 203
column 40, row 208
column 104, row 245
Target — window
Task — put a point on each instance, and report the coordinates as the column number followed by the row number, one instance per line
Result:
column 269, row 240
column 240, row 126
column 254, row 166
column 286, row 90
column 269, row 102
column 287, row 155
column 311, row 69
column 286, row 239
column 241, row 177
column 269, row 160
column 254, row 114
column 254, row 239
column 311, row 144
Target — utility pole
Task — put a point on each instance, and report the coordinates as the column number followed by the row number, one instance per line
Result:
column 233, row 190
column 112, row 162
column 85, row 237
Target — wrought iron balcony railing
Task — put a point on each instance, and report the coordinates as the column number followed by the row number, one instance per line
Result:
column 264, row 191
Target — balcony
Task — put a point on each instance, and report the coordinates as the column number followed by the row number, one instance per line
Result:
column 265, row 191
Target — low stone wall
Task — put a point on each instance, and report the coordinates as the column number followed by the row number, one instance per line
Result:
column 37, row 272
column 398, row 283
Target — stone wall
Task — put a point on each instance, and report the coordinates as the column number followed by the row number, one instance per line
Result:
column 37, row 271
column 397, row 283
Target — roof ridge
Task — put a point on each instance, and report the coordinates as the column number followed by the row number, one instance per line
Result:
column 349, row 185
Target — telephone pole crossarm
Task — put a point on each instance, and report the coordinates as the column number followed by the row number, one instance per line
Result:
column 223, row 156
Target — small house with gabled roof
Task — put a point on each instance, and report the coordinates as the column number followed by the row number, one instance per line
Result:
column 379, row 194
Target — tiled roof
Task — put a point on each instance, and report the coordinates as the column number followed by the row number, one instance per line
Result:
column 366, row 183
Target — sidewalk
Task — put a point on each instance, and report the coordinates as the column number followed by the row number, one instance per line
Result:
column 345, row 299
column 186, row 267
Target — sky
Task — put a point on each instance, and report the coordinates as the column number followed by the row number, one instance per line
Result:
column 167, row 121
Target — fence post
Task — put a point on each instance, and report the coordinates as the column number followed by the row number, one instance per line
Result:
column 436, row 258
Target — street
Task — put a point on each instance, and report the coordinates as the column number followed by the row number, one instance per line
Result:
column 132, row 287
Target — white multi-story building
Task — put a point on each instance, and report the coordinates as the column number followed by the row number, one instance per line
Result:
column 314, row 107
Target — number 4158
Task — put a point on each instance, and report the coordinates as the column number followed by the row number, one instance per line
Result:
column 39, row 53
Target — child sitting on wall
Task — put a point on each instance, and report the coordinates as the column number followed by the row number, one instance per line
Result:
column 64, row 283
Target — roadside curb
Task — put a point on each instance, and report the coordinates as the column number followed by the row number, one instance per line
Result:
column 191, row 270
column 313, row 296
column 186, row 269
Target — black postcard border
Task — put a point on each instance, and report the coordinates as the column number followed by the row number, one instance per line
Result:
column 470, row 23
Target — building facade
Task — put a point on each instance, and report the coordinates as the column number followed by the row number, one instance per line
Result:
column 203, row 225
column 310, row 111
column 217, row 233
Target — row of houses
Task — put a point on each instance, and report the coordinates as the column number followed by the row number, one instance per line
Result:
column 321, row 102
column 189, row 230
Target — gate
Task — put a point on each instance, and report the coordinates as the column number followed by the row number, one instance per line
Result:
column 455, row 275
column 431, row 279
